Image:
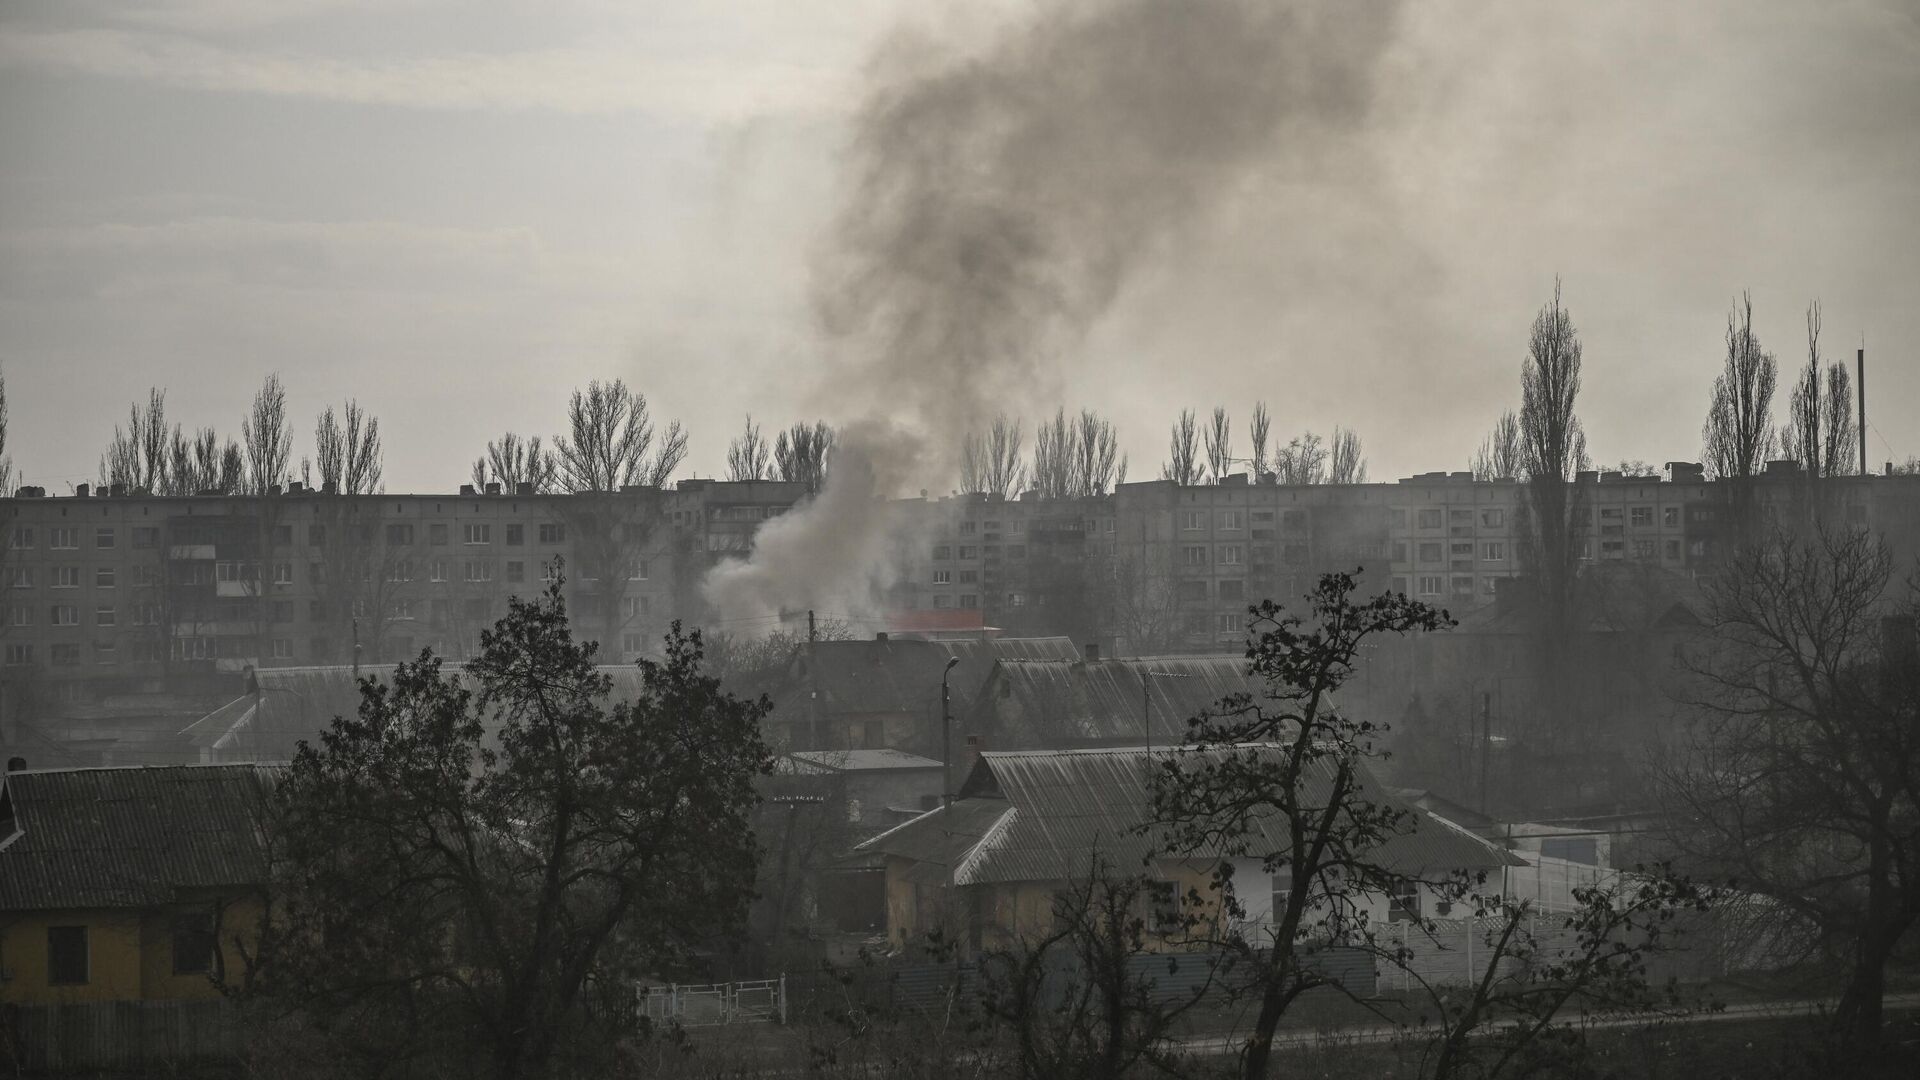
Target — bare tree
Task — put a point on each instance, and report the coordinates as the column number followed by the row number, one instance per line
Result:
column 1500, row 457
column 1096, row 451
column 748, row 454
column 801, row 454
column 1183, row 452
column 267, row 438
column 511, row 461
column 1219, row 440
column 1738, row 434
column 140, row 454
column 6, row 463
column 992, row 463
column 348, row 453
column 1258, row 430
column 611, row 436
column 1802, row 776
column 1053, row 457
column 1840, row 428
column 1345, row 465
column 233, row 468
column 197, row 463
column 1302, row 461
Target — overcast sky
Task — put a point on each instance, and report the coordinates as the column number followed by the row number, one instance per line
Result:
column 456, row 212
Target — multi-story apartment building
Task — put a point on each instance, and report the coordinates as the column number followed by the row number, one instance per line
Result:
column 114, row 598
column 1159, row 567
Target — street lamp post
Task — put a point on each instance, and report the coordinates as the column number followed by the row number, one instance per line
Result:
column 946, row 734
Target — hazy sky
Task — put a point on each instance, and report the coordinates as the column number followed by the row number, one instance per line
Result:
column 457, row 212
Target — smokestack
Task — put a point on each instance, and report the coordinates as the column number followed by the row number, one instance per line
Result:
column 1091, row 651
column 80, row 491
column 1860, row 366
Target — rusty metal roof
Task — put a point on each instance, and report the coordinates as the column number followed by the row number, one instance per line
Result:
column 130, row 837
column 862, row 760
column 1042, row 815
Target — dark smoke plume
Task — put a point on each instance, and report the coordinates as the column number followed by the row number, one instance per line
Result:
column 999, row 202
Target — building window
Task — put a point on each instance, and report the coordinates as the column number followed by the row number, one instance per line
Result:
column 1462, row 550
column 516, row 535
column 146, row 537
column 20, row 615
column 103, row 537
column 1460, row 517
column 1613, row 549
column 516, row 571
column 283, row 573
column 282, row 536
column 1430, row 553
column 477, row 534
column 1403, row 902
column 193, row 935
column 551, row 533
column 22, row 577
column 1643, row 549
column 479, row 570
column 399, row 535
column 1642, row 517
column 1015, row 599
column 969, row 601
column 64, row 655
column 105, row 616
column 66, row 577
column 1227, row 623
column 942, row 600
column 1673, row 550
column 942, row 577
column 19, row 653
column 1431, row 519
column 1229, row 520
column 1492, row 518
column 403, row 608
column 1494, row 551
column 316, row 535
column 968, row 551
column 401, row 570
column 22, row 537
column 967, row 528
column 943, row 551
column 63, row 538
column 63, row 615
column 104, row 652
column 103, row 577
column 317, row 573
column 638, row 570
column 1463, row 585
column 1489, row 585
column 437, row 535
column 1670, row 516
column 1163, row 903
column 1430, row 585
column 1193, row 520
column 282, row 649
column 439, row 571
column 67, row 959
column 1232, row 555
column 1194, row 555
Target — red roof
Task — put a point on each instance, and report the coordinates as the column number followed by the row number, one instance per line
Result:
column 946, row 619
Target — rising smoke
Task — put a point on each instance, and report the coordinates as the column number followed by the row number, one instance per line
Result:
column 996, row 204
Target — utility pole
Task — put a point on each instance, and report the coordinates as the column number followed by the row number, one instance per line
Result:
column 1860, row 366
column 946, row 735
column 810, row 626
column 1486, row 742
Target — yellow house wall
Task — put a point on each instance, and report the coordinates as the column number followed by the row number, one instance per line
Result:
column 129, row 954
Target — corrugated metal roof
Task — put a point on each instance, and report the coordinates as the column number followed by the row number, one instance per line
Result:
column 938, row 839
column 902, row 675
column 863, row 760
column 1067, row 805
column 1066, row 702
column 130, row 837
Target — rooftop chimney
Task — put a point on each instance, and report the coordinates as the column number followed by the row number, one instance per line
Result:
column 81, row 491
column 1091, row 652
column 296, row 488
column 16, row 764
column 493, row 488
column 330, row 487
column 881, row 636
column 524, row 487
column 466, row 489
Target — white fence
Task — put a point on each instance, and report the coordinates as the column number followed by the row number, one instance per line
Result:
column 761, row 1000
column 1549, row 882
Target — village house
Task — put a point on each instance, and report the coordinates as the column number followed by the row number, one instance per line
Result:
column 129, row 884
column 1027, row 825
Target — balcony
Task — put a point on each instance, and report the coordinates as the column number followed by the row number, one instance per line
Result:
column 240, row 589
column 190, row 552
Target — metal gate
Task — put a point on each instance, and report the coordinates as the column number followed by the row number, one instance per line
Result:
column 761, row 1000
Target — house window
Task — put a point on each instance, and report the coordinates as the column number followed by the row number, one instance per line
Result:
column 399, row 535
column 1015, row 599
column 516, row 535
column 22, row 536
column 1494, row 551
column 942, row 577
column 1462, row 550
column 633, row 644
column 104, row 616
column 1194, row 555
column 193, row 936
column 1229, row 519
column 439, row 571
column 1670, row 516
column 1430, row 585
column 19, row 653
column 1643, row 549
column 551, row 533
column 1399, row 585
column 63, row 615
column 317, row 573
column 437, row 535
column 103, row 577
column 103, row 537
column 638, row 570
column 282, row 536
column 20, row 615
column 401, row 570
column 1399, row 551
column 1232, row 555
column 403, row 608
column 479, row 570
column 1463, row 585
column 1282, row 892
column 1193, row 520
column 1163, row 906
column 22, row 577
column 282, row 649
column 1403, row 902
column 1227, row 623
column 66, row 577
column 1642, row 517
column 477, row 534
column 67, row 960
column 65, row 539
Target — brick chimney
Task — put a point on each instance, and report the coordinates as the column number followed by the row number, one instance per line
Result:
column 1090, row 652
